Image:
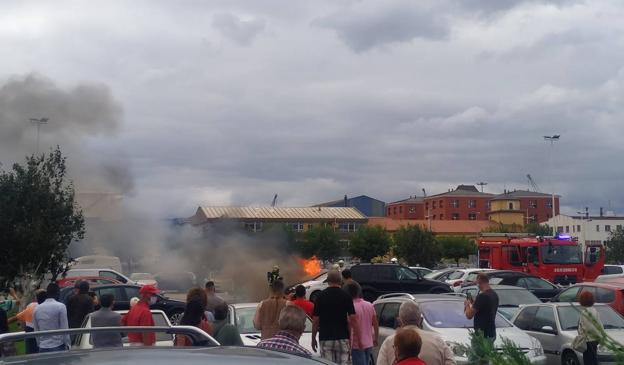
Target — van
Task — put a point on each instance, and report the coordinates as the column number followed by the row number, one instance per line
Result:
column 97, row 262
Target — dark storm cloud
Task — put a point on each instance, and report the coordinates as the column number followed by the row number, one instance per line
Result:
column 238, row 30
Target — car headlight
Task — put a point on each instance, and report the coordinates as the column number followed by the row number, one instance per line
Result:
column 536, row 348
column 458, row 349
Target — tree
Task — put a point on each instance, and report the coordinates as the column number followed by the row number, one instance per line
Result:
column 369, row 242
column 38, row 219
column 615, row 246
column 320, row 241
column 456, row 247
column 416, row 246
column 504, row 228
column 538, row 229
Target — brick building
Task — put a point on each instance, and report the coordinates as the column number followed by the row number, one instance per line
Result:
column 412, row 208
column 466, row 202
column 532, row 206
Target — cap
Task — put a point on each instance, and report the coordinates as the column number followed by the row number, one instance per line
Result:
column 148, row 289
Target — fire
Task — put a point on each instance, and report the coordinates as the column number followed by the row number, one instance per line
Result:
column 310, row 266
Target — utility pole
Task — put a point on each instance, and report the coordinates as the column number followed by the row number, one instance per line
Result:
column 482, row 184
column 552, row 139
column 38, row 122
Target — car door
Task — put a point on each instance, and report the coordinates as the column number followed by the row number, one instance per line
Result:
column 541, row 288
column 544, row 328
column 386, row 280
column 384, row 330
column 121, row 301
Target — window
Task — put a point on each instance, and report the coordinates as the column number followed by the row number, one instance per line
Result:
column 440, row 203
column 472, row 216
column 472, row 203
column 389, row 211
column 455, row 203
column 578, row 227
column 253, row 226
column 346, row 227
column 532, row 204
column 511, row 206
column 441, row 216
column 567, row 229
column 401, row 210
column 412, row 210
column 132, row 292
column 573, row 229
column 545, row 317
column 406, row 274
column 117, row 292
column 597, row 228
column 549, row 204
column 427, row 205
column 110, row 274
column 607, row 228
column 394, row 210
column 389, row 314
column 569, row 295
column 535, row 283
column 560, row 229
column 512, row 255
column 455, row 216
column 433, row 205
column 385, row 273
column 610, row 270
column 297, row 227
column 525, row 318
column 434, row 217
column 604, row 295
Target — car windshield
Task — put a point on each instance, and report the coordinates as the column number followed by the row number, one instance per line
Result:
column 450, row 314
column 569, row 317
column 244, row 320
column 515, row 297
column 141, row 276
column 561, row 254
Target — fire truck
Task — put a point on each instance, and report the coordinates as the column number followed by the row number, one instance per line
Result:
column 558, row 259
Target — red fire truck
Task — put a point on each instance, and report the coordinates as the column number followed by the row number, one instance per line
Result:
column 557, row 259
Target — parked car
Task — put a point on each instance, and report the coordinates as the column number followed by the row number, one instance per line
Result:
column 610, row 272
column 444, row 315
column 379, row 279
column 313, row 286
column 607, row 293
column 176, row 281
column 421, row 270
column 83, row 342
column 542, row 289
column 103, row 272
column 97, row 262
column 242, row 315
column 144, row 278
column 92, row 280
column 510, row 298
column 439, row 275
column 555, row 325
column 124, row 292
column 459, row 276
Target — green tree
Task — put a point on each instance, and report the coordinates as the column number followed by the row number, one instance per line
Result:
column 320, row 241
column 456, row 247
column 615, row 246
column 538, row 229
column 38, row 219
column 417, row 246
column 369, row 242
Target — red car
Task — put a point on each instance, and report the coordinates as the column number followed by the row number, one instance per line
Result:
column 93, row 280
column 608, row 293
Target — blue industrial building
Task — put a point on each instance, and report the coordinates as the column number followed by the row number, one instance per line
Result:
column 368, row 206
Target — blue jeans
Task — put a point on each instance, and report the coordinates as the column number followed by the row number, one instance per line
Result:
column 361, row 357
column 53, row 349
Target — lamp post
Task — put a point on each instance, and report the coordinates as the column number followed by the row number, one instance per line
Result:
column 552, row 139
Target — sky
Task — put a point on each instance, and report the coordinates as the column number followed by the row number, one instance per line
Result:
column 187, row 103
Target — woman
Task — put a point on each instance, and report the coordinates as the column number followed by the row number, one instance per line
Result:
column 589, row 328
column 193, row 316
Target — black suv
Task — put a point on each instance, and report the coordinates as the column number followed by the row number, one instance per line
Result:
column 379, row 279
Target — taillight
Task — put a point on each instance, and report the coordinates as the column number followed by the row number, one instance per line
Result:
column 458, row 283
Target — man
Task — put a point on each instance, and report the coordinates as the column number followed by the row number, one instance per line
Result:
column 291, row 326
column 51, row 315
column 26, row 316
column 140, row 315
column 105, row 317
column 213, row 299
column 484, row 308
column 434, row 350
column 347, row 278
column 9, row 304
column 407, row 346
column 334, row 315
column 222, row 331
column 300, row 300
column 267, row 314
column 367, row 327
column 79, row 305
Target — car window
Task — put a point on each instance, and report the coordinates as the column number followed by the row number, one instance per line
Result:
column 472, row 292
column 385, row 273
column 535, row 283
column 110, row 274
column 406, row 274
column 443, row 276
column 525, row 318
column 389, row 314
column 244, row 320
column 610, row 270
column 569, row 295
column 604, row 295
column 545, row 316
column 569, row 317
column 472, row 276
column 450, row 314
column 117, row 292
column 378, row 308
column 456, row 275
column 131, row 292
column 515, row 297
column 590, row 289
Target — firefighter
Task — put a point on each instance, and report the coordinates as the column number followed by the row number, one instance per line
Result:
column 274, row 275
column 394, row 260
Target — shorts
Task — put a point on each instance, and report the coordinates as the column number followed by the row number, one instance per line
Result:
column 336, row 351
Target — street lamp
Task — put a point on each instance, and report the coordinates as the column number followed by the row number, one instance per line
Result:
column 552, row 139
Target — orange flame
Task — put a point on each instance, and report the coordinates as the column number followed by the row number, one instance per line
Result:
column 310, row 266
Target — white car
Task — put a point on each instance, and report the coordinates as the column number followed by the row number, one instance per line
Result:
column 457, row 277
column 104, row 272
column 242, row 315
column 610, row 272
column 83, row 341
column 444, row 315
column 315, row 286
column 144, row 278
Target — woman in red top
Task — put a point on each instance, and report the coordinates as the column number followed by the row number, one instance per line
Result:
column 407, row 344
column 193, row 316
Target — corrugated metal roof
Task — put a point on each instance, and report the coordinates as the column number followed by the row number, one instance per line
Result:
column 279, row 213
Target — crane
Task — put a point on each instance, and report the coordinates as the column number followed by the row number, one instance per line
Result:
column 532, row 184
column 274, row 202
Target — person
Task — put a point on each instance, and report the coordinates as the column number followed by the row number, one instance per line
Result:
column 6, row 348
column 140, row 315
column 79, row 305
column 268, row 311
column 51, row 315
column 26, row 316
column 8, row 304
column 301, row 301
column 484, row 308
column 106, row 317
column 367, row 327
column 273, row 276
column 589, row 328
column 213, row 300
column 193, row 316
column 334, row 316
column 347, row 278
column 407, row 345
column 394, row 260
column 434, row 350
column 225, row 333
column 292, row 321
column 201, row 295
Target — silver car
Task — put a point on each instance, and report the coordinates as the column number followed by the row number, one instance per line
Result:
column 555, row 326
column 444, row 315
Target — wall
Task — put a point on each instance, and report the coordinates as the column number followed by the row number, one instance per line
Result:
column 432, row 207
column 406, row 210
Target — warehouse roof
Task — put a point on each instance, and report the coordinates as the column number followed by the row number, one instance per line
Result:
column 517, row 194
column 341, row 201
column 278, row 213
column 437, row 226
column 412, row 199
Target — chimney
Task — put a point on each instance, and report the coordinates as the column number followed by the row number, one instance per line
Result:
column 601, row 212
column 346, row 204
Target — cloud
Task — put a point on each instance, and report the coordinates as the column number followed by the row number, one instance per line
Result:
column 240, row 31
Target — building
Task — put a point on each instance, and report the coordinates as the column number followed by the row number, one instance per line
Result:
column 534, row 207
column 506, row 210
column 343, row 219
column 440, row 228
column 587, row 229
column 368, row 206
column 412, row 208
column 466, row 202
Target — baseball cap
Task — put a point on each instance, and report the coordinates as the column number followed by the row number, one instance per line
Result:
column 149, row 289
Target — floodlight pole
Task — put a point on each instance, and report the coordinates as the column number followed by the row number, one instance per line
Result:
column 552, row 139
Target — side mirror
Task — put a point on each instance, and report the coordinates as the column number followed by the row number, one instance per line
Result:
column 548, row 329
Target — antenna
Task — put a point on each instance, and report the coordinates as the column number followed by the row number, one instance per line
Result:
column 482, row 184
column 274, row 202
column 39, row 122
column 424, row 192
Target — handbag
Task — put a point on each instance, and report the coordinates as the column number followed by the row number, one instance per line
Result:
column 579, row 343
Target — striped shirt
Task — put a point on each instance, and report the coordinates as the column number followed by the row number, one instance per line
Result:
column 284, row 341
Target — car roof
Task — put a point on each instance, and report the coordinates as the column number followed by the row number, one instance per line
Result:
column 422, row 298
column 560, row 304
column 606, row 285
column 519, row 273
column 499, row 287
